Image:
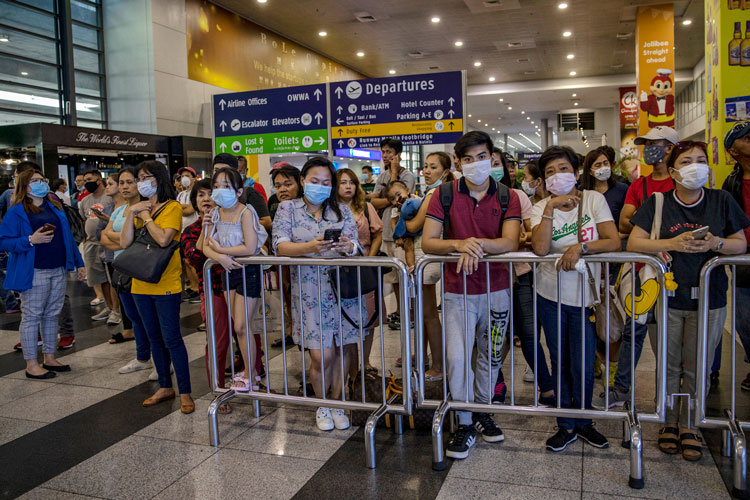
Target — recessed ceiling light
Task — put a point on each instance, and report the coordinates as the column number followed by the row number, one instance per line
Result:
column 567, row 33
column 528, row 118
column 262, row 1
column 571, row 56
column 469, row 116
column 532, row 122
column 435, row 19
column 458, row 43
column 687, row 22
column 572, row 73
column 523, row 112
column 392, row 71
column 24, row 73
column 492, row 78
column 510, row 107
column 4, row 38
column 360, row 54
column 493, row 129
column 322, row 33
column 501, row 99
column 575, row 95
column 575, row 104
column 477, row 64
column 562, row 5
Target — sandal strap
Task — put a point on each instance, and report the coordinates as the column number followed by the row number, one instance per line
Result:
column 689, row 435
column 669, row 430
column 692, row 447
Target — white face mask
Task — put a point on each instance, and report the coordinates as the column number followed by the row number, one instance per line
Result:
column 562, row 183
column 477, row 172
column 694, row 176
column 528, row 189
column 603, row 173
column 185, row 181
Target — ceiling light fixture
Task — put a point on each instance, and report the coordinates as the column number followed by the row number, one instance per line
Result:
column 528, row 118
column 262, row 1
column 4, row 38
column 477, row 64
column 573, row 73
column 435, row 19
column 510, row 107
column 523, row 112
column 562, row 5
column 392, row 71
column 492, row 78
column 458, row 43
column 322, row 33
column 501, row 99
column 360, row 54
column 575, row 95
column 566, row 34
column 687, row 22
column 469, row 116
column 575, row 104
column 24, row 73
column 571, row 56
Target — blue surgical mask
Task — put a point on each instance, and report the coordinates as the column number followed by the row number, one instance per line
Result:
column 497, row 173
column 434, row 184
column 146, row 189
column 224, row 197
column 249, row 182
column 39, row 189
column 317, row 193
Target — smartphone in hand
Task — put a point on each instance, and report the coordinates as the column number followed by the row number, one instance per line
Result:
column 332, row 235
column 700, row 233
column 48, row 228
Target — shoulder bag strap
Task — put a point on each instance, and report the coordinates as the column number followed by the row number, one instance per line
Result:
column 656, row 224
column 590, row 276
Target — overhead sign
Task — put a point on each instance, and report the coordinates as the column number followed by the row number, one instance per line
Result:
column 417, row 109
column 364, row 154
column 285, row 120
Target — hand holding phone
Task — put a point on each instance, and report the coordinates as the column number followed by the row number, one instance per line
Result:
column 332, row 235
column 700, row 233
column 48, row 228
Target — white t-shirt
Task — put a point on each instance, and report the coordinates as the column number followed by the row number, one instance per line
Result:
column 522, row 268
column 183, row 197
column 564, row 235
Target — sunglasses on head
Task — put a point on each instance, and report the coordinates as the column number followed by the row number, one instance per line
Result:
column 684, row 145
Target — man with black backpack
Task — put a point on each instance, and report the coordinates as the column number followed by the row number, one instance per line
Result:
column 477, row 217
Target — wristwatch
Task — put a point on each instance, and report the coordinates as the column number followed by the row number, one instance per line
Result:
column 584, row 248
column 720, row 245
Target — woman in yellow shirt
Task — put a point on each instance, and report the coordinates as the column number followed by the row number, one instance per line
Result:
column 159, row 303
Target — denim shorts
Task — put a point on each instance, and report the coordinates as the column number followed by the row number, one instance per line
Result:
column 233, row 281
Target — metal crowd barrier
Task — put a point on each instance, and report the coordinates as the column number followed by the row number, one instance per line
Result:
column 733, row 435
column 630, row 416
column 378, row 409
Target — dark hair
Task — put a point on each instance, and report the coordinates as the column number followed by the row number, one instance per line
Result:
column 609, row 152
column 534, row 170
column 471, row 139
column 164, row 187
column 580, row 159
column 555, row 152
column 290, row 172
column 445, row 162
column 232, row 175
column 241, row 158
column 681, row 147
column 358, row 200
column 588, row 179
column 330, row 202
column 506, row 180
column 129, row 170
column 396, row 183
column 176, row 177
column 92, row 170
column 502, row 155
column 206, row 183
column 27, row 165
column 55, row 184
column 226, row 159
column 115, row 176
column 394, row 144
column 368, row 167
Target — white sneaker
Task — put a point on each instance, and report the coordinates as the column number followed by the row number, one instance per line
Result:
column 114, row 318
column 155, row 375
column 528, row 374
column 134, row 366
column 323, row 419
column 340, row 420
column 101, row 315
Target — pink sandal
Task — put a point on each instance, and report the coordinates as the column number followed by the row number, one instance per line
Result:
column 240, row 384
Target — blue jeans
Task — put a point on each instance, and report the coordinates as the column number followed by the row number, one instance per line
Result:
column 161, row 316
column 623, row 375
column 570, row 348
column 523, row 325
column 129, row 309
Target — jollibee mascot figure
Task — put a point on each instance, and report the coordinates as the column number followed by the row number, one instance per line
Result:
column 660, row 103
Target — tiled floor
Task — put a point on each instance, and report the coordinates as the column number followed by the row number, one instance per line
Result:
column 84, row 435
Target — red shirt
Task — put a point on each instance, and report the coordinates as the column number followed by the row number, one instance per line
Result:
column 635, row 191
column 469, row 218
column 83, row 194
column 746, row 199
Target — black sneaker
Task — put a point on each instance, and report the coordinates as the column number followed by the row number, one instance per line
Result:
column 561, row 440
column 593, row 437
column 487, row 428
column 461, row 442
column 548, row 401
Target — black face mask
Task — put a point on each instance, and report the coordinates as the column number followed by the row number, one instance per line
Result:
column 91, row 186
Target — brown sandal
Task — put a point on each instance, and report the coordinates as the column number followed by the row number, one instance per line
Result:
column 668, row 442
column 690, row 452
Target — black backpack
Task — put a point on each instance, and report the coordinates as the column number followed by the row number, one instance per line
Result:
column 76, row 223
column 446, row 199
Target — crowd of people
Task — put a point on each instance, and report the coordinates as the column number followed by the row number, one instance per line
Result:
column 146, row 236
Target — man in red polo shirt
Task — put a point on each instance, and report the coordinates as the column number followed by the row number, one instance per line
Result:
column 484, row 218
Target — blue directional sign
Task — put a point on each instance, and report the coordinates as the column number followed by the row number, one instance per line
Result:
column 282, row 120
column 417, row 109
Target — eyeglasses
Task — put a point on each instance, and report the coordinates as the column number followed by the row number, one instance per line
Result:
column 34, row 181
column 145, row 178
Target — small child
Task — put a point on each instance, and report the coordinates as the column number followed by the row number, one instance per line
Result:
column 233, row 230
column 397, row 194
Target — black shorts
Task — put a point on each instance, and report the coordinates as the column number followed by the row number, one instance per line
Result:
column 233, row 281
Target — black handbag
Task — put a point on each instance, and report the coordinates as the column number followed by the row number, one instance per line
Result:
column 145, row 259
column 369, row 277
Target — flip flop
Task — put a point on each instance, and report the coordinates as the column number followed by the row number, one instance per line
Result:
column 118, row 338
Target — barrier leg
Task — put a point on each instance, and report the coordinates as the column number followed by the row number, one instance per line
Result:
column 438, row 454
column 256, row 408
column 636, row 451
column 625, row 434
column 398, row 424
column 372, row 423
column 726, row 443
column 213, row 420
column 739, row 488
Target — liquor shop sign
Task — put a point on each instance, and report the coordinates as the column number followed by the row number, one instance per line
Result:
column 103, row 139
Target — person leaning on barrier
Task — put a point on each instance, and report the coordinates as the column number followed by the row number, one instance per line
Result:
column 484, row 218
column 737, row 144
column 688, row 207
column 298, row 231
column 554, row 222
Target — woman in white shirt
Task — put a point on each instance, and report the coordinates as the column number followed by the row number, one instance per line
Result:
column 60, row 188
column 554, row 222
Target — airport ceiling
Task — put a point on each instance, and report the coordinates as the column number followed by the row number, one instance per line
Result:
column 513, row 40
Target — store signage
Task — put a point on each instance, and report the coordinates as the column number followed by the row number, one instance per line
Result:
column 285, row 120
column 364, row 154
column 103, row 139
column 524, row 156
column 417, row 109
column 628, row 121
column 655, row 66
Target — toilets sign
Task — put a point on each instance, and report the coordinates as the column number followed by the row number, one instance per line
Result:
column 286, row 120
column 417, row 109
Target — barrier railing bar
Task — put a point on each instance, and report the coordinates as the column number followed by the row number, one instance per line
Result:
column 302, row 331
column 320, row 325
column 584, row 317
column 283, row 333
column 509, row 337
column 361, row 333
column 536, row 340
column 382, row 344
column 559, row 341
column 341, row 335
column 490, row 331
column 265, row 329
column 606, row 342
column 466, row 340
column 734, row 344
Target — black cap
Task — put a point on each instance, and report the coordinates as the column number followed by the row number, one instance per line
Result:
column 227, row 159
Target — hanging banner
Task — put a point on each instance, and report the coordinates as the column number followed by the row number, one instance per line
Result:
column 628, row 121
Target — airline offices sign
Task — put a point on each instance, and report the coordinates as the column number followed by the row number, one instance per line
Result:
column 286, row 120
column 417, row 109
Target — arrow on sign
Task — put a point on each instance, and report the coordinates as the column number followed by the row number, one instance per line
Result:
column 339, row 91
column 339, row 121
column 320, row 140
column 339, row 109
column 451, row 113
column 223, row 125
column 317, row 94
column 222, row 103
column 341, row 132
column 341, row 144
column 318, row 117
column 451, row 101
column 450, row 124
column 223, row 147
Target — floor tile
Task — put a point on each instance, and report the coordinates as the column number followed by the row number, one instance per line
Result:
column 193, row 428
column 55, row 402
column 12, row 428
column 484, row 490
column 291, row 433
column 12, row 389
column 107, row 377
column 522, row 459
column 48, row 494
column 79, row 365
column 137, row 467
column 236, row 474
